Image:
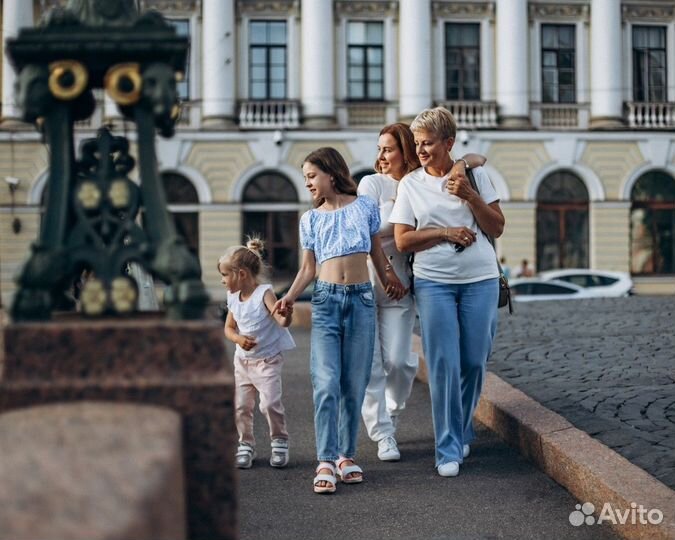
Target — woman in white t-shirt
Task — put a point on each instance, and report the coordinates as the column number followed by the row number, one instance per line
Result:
column 439, row 217
column 394, row 362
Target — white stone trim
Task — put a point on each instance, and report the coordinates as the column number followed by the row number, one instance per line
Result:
column 629, row 182
column 596, row 191
column 292, row 174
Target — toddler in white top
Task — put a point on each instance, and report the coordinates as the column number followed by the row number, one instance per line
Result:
column 260, row 340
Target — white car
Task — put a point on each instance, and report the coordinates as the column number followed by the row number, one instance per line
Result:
column 535, row 289
column 597, row 282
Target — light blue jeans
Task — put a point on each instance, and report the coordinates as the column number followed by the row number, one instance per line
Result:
column 458, row 323
column 342, row 341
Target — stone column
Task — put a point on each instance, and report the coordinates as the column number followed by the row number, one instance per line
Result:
column 606, row 76
column 415, row 81
column 16, row 14
column 218, row 64
column 512, row 63
column 318, row 87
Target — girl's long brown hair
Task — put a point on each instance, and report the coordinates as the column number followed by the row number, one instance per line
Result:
column 331, row 162
column 406, row 143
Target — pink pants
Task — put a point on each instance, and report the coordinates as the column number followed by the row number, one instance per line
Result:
column 264, row 376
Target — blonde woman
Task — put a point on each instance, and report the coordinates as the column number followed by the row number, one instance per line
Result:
column 440, row 217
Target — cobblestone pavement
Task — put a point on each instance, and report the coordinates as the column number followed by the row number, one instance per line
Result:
column 606, row 365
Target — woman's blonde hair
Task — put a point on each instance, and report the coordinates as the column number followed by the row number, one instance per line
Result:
column 406, row 144
column 438, row 120
column 248, row 257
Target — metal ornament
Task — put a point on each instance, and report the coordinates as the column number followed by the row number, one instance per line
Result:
column 90, row 235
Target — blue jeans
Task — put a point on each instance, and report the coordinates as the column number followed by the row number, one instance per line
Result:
column 458, row 323
column 343, row 335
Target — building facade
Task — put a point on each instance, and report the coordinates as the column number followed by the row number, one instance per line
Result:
column 572, row 102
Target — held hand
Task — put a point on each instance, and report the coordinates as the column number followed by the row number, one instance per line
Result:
column 283, row 306
column 458, row 183
column 246, row 342
column 394, row 288
column 460, row 235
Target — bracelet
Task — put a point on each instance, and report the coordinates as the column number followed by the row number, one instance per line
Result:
column 387, row 267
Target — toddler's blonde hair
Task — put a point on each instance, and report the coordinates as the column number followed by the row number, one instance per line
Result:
column 248, row 257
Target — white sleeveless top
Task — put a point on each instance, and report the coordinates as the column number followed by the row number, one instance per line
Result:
column 253, row 319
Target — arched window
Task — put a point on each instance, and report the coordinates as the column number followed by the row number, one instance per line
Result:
column 181, row 196
column 268, row 214
column 562, row 222
column 652, row 224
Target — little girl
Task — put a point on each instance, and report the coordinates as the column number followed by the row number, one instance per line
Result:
column 260, row 338
column 338, row 234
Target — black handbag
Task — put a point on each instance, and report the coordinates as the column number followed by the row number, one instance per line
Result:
column 504, row 289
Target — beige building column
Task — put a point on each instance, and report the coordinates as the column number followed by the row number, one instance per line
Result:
column 606, row 77
column 610, row 235
column 415, row 81
column 519, row 240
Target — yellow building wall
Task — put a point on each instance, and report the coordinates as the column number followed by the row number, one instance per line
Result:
column 25, row 161
column 610, row 236
column 217, row 231
column 14, row 249
column 221, row 163
column 518, row 163
column 613, row 162
column 300, row 150
column 519, row 239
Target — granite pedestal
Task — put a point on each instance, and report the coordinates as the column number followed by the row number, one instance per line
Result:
column 182, row 365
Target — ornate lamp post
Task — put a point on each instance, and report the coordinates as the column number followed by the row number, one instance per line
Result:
column 92, row 206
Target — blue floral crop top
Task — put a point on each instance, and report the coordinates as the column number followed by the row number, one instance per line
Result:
column 340, row 232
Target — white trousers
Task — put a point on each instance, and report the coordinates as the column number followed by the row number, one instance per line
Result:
column 394, row 364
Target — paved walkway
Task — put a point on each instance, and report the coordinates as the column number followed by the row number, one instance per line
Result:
column 606, row 365
column 498, row 494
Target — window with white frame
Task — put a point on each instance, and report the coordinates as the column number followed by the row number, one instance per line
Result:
column 462, row 61
column 558, row 50
column 182, row 27
column 649, row 63
column 365, row 61
column 267, row 60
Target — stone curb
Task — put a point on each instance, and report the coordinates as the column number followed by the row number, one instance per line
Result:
column 588, row 469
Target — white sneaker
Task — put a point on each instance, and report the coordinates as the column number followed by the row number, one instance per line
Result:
column 279, row 453
column 387, row 449
column 449, row 469
column 466, row 450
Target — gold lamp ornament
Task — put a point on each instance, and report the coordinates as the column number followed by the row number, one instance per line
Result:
column 123, row 82
column 67, row 79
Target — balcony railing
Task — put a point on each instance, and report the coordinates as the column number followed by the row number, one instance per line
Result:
column 269, row 114
column 645, row 115
column 560, row 116
column 354, row 114
column 473, row 114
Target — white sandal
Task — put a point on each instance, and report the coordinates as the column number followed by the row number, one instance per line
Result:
column 244, row 456
column 329, row 478
column 279, row 453
column 342, row 472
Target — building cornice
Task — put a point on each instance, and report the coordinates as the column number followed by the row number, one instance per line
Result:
column 644, row 11
column 560, row 12
column 372, row 8
column 169, row 6
column 469, row 10
column 268, row 8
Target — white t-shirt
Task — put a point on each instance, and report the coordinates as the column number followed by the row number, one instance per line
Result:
column 382, row 189
column 423, row 203
column 253, row 319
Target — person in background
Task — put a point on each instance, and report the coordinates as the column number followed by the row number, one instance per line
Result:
column 394, row 362
column 525, row 270
column 338, row 234
column 506, row 269
column 441, row 218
